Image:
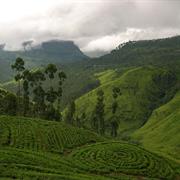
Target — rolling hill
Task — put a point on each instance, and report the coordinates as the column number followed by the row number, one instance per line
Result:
column 40, row 135
column 161, row 132
column 39, row 149
column 143, row 89
column 146, row 72
column 159, row 52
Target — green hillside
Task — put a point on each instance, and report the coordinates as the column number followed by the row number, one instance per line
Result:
column 141, row 93
column 40, row 135
column 161, row 52
column 161, row 132
column 148, row 113
column 39, row 149
column 86, row 163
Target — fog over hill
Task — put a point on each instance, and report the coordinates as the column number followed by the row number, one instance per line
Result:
column 95, row 26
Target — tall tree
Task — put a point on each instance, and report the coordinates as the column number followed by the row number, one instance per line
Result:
column 83, row 119
column 39, row 93
column 51, row 97
column 69, row 118
column 94, row 122
column 51, row 70
column 18, row 66
column 62, row 77
column 114, row 121
column 51, row 94
column 99, row 112
column 10, row 104
column 27, row 78
column 78, row 121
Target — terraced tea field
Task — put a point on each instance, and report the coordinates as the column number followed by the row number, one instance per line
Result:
column 40, row 135
column 121, row 158
column 37, row 149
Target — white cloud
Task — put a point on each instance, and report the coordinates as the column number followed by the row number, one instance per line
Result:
column 93, row 24
column 107, row 43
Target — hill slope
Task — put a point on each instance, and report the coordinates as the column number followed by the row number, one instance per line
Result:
column 55, row 51
column 161, row 52
column 110, row 160
column 162, row 130
column 141, row 93
column 38, row 149
column 40, row 135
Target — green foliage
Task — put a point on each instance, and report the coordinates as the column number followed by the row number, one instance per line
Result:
column 115, row 157
column 160, row 52
column 8, row 102
column 99, row 126
column 43, row 100
column 41, row 135
column 29, row 147
column 114, row 120
column 50, row 70
column 161, row 132
column 70, row 113
column 140, row 96
column 27, row 78
column 18, row 66
column 38, row 149
column 55, row 52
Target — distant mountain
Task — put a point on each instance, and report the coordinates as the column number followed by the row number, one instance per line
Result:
column 57, row 51
column 54, row 51
column 134, row 53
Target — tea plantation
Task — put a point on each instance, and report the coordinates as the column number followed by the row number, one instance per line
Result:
column 39, row 149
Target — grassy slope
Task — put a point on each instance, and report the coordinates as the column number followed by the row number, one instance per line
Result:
column 139, row 95
column 98, row 161
column 162, row 131
column 40, row 135
column 31, row 149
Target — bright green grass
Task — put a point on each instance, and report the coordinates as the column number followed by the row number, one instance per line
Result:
column 115, row 157
column 106, row 76
column 139, row 95
column 33, row 149
column 111, row 160
column 162, row 131
column 40, row 135
column 24, row 164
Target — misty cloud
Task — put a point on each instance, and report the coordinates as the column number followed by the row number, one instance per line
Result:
column 98, row 25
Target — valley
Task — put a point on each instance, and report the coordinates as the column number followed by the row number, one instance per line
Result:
column 112, row 117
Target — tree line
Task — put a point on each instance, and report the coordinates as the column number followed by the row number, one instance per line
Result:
column 98, row 119
column 98, row 115
column 32, row 99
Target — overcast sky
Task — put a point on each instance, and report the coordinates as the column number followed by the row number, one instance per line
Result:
column 94, row 25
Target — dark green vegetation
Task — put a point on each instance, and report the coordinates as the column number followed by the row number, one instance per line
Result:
column 32, row 99
column 54, row 51
column 129, row 97
column 121, row 158
column 161, row 132
column 141, row 92
column 158, row 52
column 30, row 149
column 41, row 135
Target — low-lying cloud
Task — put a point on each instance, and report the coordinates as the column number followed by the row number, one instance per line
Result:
column 95, row 25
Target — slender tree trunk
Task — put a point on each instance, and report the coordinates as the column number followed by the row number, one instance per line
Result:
column 18, row 95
